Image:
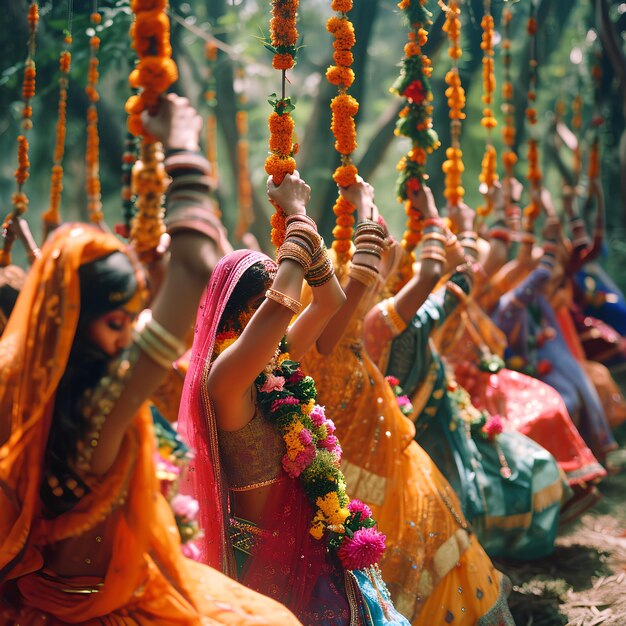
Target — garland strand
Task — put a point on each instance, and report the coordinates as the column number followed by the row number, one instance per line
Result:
column 210, row 97
column 344, row 107
column 453, row 166
column 155, row 72
column 244, row 187
column 415, row 119
column 597, row 120
column 52, row 217
column 129, row 157
column 488, row 175
column 19, row 199
column 509, row 157
column 534, row 171
column 94, row 195
column 283, row 39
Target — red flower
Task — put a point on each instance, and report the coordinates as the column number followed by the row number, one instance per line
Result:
column 544, row 367
column 415, row 92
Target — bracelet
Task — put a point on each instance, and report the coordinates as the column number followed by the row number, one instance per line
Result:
column 371, row 227
column 500, row 233
column 284, row 300
column 158, row 343
column 432, row 256
column 432, row 221
column 365, row 274
column 306, row 233
column 321, row 270
column 392, row 317
column 375, row 251
column 295, row 252
column 468, row 234
column 300, row 217
column 364, row 237
column 434, row 236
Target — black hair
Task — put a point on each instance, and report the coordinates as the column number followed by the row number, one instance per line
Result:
column 254, row 281
column 105, row 284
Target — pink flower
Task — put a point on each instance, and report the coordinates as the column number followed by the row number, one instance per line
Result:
column 364, row 549
column 493, row 427
column 284, row 401
column 356, row 506
column 184, row 506
column 403, row 401
column 329, row 442
column 296, row 466
column 273, row 383
column 392, row 380
column 305, row 437
column 330, row 426
column 317, row 415
column 191, row 551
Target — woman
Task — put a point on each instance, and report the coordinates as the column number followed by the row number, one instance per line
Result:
column 434, row 567
column 267, row 478
column 510, row 487
column 87, row 537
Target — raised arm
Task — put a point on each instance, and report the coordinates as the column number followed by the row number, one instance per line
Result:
column 197, row 243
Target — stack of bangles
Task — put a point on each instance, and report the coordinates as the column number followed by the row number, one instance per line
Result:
column 369, row 239
column 580, row 238
column 187, row 198
column 468, row 241
column 548, row 260
column 159, row 344
column 433, row 240
column 499, row 231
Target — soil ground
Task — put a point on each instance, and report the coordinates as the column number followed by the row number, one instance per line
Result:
column 583, row 583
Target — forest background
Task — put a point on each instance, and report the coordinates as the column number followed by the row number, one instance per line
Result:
column 570, row 33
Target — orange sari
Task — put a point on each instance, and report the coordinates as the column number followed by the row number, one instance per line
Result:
column 123, row 523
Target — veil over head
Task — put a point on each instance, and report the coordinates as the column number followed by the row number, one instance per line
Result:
column 196, row 420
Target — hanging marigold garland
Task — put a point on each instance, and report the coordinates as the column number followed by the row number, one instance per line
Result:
column 283, row 39
column 415, row 119
column 155, row 72
column 488, row 175
column 94, row 195
column 577, row 122
column 210, row 97
column 19, row 199
column 244, row 187
column 453, row 165
column 509, row 157
column 597, row 119
column 52, row 217
column 534, row 170
column 344, row 107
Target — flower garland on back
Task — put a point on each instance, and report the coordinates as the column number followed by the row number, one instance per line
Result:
column 92, row 156
column 453, row 166
column 488, row 175
column 155, row 72
column 19, row 199
column 283, row 39
column 52, row 217
column 287, row 398
column 534, row 170
column 344, row 107
column 415, row 119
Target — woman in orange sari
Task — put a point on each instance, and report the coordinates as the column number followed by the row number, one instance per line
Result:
column 85, row 535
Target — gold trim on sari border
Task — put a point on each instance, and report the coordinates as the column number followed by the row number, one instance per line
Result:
column 364, row 485
column 424, row 391
column 65, row 584
column 521, row 520
column 548, row 496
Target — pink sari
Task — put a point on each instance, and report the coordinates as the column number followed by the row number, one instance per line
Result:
column 288, row 564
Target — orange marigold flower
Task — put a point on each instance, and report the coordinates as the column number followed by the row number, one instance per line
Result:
column 155, row 74
column 342, row 6
column 345, row 175
column 342, row 76
column 343, row 57
column 342, row 246
column 277, row 167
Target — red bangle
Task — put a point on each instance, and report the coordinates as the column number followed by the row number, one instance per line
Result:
column 500, row 233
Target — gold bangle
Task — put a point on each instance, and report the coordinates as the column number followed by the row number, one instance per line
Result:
column 434, row 237
column 364, row 274
column 375, row 251
column 295, row 252
column 396, row 320
column 284, row 300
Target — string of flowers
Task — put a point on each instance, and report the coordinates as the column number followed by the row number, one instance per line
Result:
column 488, row 175
column 92, row 158
column 244, row 187
column 597, row 120
column 52, row 217
column 453, row 165
column 313, row 455
column 19, row 199
column 280, row 162
column 509, row 157
column 404, row 402
column 344, row 107
column 154, row 73
column 415, row 118
column 210, row 97
column 534, row 170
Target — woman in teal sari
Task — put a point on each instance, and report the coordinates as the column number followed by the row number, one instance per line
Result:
column 510, row 487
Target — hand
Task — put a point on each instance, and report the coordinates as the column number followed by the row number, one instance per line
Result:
column 361, row 196
column 462, row 216
column 424, row 201
column 495, row 195
column 176, row 124
column 545, row 199
column 291, row 195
